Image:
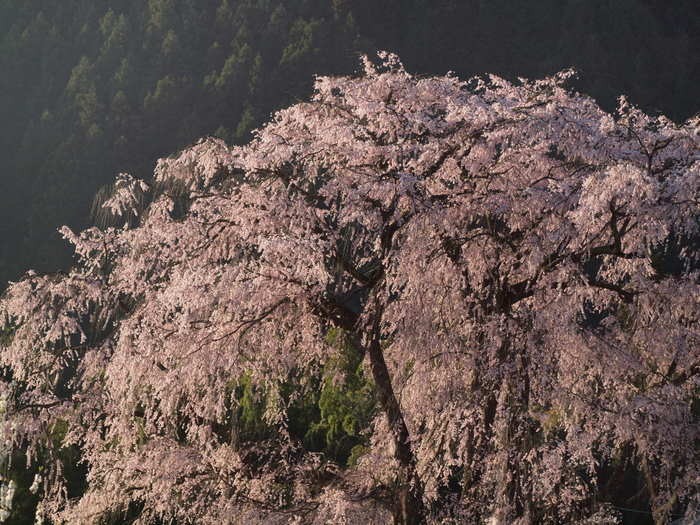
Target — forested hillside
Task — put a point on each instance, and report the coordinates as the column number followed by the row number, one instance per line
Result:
column 90, row 88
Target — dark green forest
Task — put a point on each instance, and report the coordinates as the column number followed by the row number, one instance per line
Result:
column 91, row 88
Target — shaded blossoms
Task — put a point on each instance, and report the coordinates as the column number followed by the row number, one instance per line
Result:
column 517, row 268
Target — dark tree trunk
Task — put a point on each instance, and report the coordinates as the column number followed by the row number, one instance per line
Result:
column 408, row 504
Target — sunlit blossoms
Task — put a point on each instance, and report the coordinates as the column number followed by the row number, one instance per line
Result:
column 518, row 269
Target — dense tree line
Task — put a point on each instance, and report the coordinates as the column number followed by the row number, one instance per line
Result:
column 91, row 88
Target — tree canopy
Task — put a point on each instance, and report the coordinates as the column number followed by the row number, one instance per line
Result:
column 490, row 282
column 90, row 88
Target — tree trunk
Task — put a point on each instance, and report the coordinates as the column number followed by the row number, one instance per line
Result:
column 408, row 505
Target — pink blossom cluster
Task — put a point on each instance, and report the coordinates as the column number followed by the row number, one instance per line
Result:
column 518, row 267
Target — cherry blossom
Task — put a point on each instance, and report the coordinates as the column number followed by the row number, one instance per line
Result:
column 517, row 266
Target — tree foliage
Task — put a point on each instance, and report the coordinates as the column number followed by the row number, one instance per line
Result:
column 512, row 264
column 90, row 88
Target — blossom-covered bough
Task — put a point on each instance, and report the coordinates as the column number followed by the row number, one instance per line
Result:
column 517, row 267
